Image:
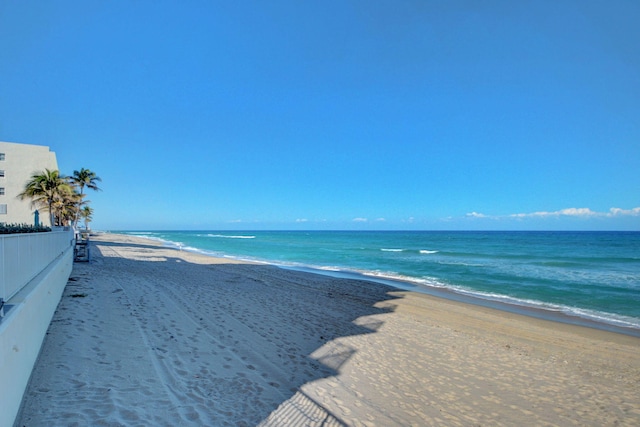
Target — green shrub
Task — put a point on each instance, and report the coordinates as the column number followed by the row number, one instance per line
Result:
column 21, row 228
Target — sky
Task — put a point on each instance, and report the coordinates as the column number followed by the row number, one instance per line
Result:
column 348, row 114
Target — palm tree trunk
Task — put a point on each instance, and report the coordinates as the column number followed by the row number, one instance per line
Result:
column 50, row 214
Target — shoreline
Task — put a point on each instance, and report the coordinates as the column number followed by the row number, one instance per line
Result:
column 149, row 335
column 536, row 309
column 532, row 311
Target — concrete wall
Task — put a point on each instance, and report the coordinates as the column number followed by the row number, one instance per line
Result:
column 19, row 163
column 23, row 256
column 24, row 327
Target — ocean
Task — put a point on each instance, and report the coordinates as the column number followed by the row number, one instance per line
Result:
column 587, row 278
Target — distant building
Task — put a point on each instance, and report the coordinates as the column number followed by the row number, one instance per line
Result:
column 18, row 163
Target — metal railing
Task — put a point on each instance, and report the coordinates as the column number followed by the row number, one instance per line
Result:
column 24, row 256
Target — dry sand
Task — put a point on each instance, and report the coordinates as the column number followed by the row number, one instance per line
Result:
column 146, row 335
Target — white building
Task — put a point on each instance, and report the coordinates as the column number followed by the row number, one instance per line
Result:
column 18, row 163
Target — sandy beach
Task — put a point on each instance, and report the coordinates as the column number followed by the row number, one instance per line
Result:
column 146, row 335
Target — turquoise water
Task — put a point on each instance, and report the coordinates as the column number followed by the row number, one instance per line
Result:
column 594, row 276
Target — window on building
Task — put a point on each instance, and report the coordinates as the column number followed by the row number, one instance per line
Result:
column 1, row 156
column 3, row 209
column 1, row 191
column 1, row 173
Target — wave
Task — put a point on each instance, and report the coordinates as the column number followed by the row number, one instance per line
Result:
column 150, row 236
column 434, row 286
column 564, row 313
column 422, row 251
column 595, row 316
column 461, row 263
column 224, row 236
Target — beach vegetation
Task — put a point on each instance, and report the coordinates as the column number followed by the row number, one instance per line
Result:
column 62, row 196
column 66, row 206
column 81, row 179
column 46, row 190
column 22, row 228
column 86, row 213
column 85, row 178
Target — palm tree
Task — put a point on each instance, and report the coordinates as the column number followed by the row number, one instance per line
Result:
column 66, row 206
column 85, row 178
column 44, row 188
column 87, row 214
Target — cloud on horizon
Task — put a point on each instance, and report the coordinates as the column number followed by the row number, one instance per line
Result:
column 568, row 212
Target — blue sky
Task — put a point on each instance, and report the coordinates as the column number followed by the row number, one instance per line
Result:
column 334, row 114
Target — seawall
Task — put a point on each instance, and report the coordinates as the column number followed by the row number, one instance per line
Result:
column 27, row 316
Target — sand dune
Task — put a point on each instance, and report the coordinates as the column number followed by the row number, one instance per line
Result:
column 146, row 335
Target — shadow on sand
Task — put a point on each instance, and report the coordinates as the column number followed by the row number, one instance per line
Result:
column 281, row 324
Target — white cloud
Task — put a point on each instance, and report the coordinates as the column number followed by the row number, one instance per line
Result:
column 302, row 220
column 579, row 212
column 629, row 212
column 380, row 219
column 568, row 212
column 360, row 220
column 476, row 215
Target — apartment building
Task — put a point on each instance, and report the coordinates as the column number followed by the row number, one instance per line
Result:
column 18, row 163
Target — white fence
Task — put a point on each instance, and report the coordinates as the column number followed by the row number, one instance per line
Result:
column 24, row 256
